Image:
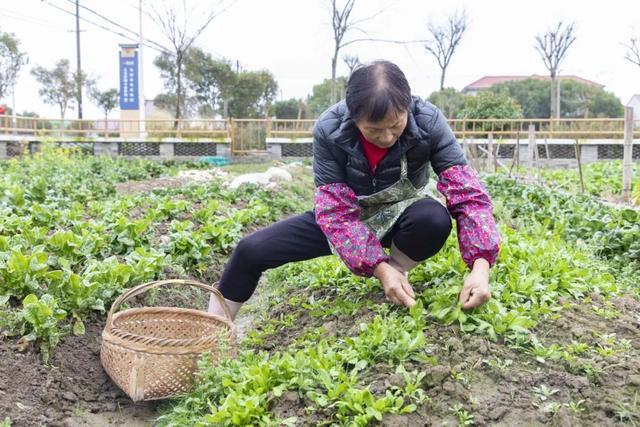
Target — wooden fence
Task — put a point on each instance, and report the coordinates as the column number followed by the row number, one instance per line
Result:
column 248, row 130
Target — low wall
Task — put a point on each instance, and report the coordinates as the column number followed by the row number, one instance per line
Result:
column 191, row 149
column 556, row 152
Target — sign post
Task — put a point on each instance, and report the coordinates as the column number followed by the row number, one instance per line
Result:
column 129, row 92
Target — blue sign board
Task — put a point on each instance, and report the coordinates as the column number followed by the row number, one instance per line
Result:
column 129, row 79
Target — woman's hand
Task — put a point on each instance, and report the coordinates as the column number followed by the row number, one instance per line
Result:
column 396, row 285
column 476, row 291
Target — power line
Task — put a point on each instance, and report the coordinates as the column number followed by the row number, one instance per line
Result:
column 159, row 45
column 163, row 50
column 104, row 17
column 12, row 14
column 117, row 24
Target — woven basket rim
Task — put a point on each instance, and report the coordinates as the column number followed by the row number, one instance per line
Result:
column 125, row 337
column 113, row 341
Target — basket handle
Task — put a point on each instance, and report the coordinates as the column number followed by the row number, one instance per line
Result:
column 137, row 290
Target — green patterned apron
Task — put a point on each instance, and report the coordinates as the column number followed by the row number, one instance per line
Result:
column 381, row 210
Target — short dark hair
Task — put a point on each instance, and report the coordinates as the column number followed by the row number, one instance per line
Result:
column 376, row 88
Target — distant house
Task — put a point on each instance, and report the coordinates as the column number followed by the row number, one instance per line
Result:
column 487, row 81
column 635, row 103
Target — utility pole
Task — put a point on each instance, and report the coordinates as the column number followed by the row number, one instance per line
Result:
column 13, row 109
column 79, row 73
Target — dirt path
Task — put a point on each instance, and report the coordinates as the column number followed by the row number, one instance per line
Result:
column 183, row 178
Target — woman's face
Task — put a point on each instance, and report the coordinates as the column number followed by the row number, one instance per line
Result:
column 384, row 133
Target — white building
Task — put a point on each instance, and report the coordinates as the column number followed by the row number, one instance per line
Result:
column 635, row 103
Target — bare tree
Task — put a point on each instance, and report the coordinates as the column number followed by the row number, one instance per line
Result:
column 174, row 22
column 446, row 39
column 553, row 46
column 633, row 52
column 342, row 23
column 352, row 61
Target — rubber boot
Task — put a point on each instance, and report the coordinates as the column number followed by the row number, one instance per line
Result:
column 400, row 261
column 216, row 308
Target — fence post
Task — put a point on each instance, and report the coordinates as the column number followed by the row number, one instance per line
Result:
column 578, row 149
column 232, row 136
column 491, row 158
column 627, row 161
column 531, row 149
column 467, row 152
column 167, row 149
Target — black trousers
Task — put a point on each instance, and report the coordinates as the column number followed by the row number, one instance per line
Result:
column 420, row 233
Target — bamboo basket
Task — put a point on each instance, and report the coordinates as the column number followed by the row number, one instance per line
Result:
column 151, row 352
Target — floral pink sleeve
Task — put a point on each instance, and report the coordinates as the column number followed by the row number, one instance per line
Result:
column 469, row 203
column 338, row 215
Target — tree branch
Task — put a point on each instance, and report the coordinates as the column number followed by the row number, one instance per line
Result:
column 633, row 52
column 554, row 44
column 381, row 41
column 445, row 40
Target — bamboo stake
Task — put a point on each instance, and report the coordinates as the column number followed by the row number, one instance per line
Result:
column 537, row 160
column 530, row 150
column 516, row 157
column 578, row 149
column 627, row 161
column 491, row 163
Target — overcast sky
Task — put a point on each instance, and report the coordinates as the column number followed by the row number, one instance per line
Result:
column 293, row 39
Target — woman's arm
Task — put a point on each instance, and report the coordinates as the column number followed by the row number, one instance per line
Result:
column 470, row 205
column 467, row 200
column 338, row 213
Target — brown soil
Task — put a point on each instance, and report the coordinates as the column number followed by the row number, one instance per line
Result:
column 492, row 381
column 73, row 387
column 496, row 383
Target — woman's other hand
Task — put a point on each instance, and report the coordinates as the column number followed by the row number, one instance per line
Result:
column 475, row 290
column 396, row 285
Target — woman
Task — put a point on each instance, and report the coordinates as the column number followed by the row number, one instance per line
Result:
column 371, row 155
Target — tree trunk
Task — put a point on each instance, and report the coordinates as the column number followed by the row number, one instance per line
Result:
column 178, row 88
column 62, row 113
column 553, row 98
column 444, row 70
column 334, row 63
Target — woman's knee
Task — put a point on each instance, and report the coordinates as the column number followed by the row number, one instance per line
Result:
column 249, row 249
column 440, row 221
column 429, row 219
column 424, row 231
